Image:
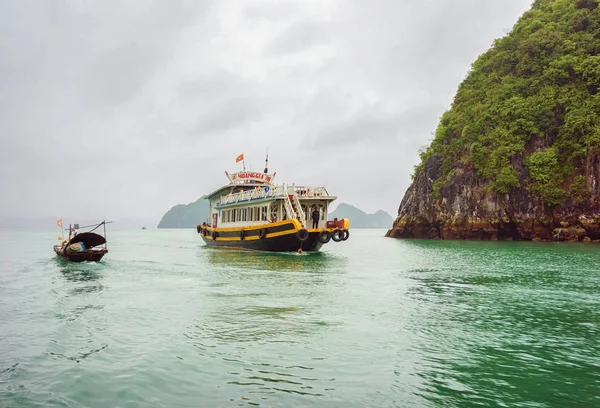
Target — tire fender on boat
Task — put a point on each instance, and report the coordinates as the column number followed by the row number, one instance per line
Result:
column 242, row 235
column 337, row 235
column 302, row 234
column 262, row 233
column 199, row 229
column 346, row 234
column 214, row 235
column 324, row 237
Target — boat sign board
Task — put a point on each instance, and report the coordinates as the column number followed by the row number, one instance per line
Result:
column 246, row 176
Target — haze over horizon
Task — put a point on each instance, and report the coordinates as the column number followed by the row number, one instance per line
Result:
column 123, row 110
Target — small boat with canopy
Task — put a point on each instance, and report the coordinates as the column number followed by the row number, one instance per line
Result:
column 83, row 246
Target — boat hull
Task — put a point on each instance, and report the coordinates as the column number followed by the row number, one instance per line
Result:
column 89, row 256
column 276, row 237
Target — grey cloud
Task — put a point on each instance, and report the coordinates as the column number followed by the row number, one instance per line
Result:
column 373, row 125
column 271, row 11
column 299, row 37
column 140, row 97
column 230, row 115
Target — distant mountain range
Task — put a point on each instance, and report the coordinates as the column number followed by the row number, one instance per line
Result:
column 186, row 215
column 192, row 214
column 360, row 219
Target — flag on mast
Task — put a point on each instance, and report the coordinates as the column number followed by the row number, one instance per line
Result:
column 59, row 222
column 239, row 158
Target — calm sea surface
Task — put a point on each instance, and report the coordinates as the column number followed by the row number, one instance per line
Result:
column 164, row 321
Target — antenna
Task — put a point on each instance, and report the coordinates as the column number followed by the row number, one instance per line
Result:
column 267, row 162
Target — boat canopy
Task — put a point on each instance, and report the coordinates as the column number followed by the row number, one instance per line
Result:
column 89, row 239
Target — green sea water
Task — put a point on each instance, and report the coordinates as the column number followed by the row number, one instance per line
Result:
column 164, row 321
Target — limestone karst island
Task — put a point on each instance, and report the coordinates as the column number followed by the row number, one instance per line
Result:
column 517, row 156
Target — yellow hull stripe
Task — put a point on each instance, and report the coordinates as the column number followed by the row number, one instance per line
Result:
column 297, row 227
column 273, row 235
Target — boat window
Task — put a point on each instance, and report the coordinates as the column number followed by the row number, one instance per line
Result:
column 244, row 214
column 263, row 215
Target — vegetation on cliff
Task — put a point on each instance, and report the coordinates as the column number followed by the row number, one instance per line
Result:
column 527, row 116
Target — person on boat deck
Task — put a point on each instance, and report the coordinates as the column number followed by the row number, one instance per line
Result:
column 315, row 218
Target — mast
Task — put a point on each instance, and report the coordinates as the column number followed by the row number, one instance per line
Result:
column 267, row 162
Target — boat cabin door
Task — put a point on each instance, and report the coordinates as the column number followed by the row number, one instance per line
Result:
column 214, row 220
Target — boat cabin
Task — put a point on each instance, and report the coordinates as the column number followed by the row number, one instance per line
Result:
column 252, row 199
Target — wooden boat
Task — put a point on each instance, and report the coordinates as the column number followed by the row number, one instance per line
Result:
column 250, row 212
column 84, row 246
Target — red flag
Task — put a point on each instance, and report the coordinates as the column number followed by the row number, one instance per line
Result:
column 239, row 158
column 59, row 222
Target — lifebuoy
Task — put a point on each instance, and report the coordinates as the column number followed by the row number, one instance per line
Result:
column 337, row 235
column 346, row 234
column 242, row 235
column 324, row 236
column 302, row 234
column 262, row 233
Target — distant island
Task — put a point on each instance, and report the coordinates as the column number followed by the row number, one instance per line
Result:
column 517, row 156
column 185, row 215
column 192, row 214
column 360, row 219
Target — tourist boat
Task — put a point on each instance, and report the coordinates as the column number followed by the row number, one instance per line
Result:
column 251, row 212
column 84, row 246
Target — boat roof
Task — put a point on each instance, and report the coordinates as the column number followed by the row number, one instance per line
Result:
column 89, row 239
column 244, row 179
column 228, row 186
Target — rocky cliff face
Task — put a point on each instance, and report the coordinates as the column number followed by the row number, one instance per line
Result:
column 517, row 157
column 467, row 209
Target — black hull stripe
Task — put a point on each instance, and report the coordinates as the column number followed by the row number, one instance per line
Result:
column 282, row 243
column 255, row 232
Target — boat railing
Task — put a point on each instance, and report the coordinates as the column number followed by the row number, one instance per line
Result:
column 248, row 195
column 267, row 192
column 312, row 192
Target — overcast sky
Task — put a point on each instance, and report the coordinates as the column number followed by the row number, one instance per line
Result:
column 122, row 109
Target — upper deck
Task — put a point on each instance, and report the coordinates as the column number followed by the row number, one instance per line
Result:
column 275, row 192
